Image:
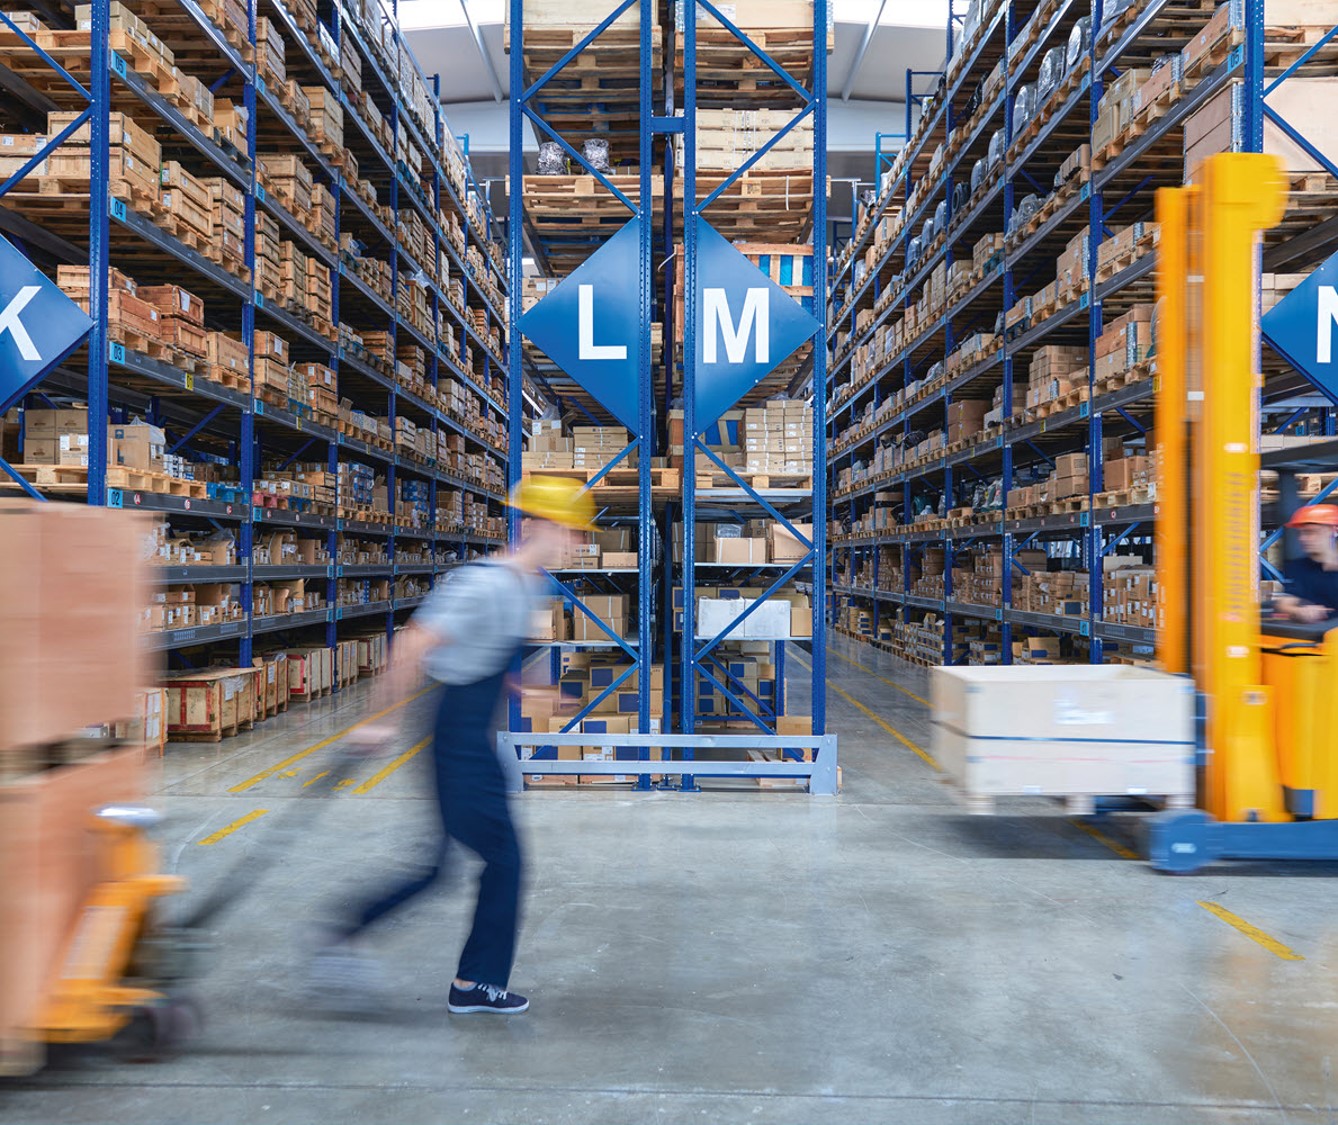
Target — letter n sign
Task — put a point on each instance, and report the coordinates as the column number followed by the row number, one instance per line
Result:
column 1300, row 328
column 747, row 325
column 39, row 324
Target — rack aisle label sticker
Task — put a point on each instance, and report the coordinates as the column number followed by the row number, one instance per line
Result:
column 1301, row 328
column 590, row 325
column 39, row 324
column 747, row 325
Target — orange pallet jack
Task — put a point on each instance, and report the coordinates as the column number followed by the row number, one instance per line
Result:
column 115, row 941
column 128, row 969
column 1268, row 785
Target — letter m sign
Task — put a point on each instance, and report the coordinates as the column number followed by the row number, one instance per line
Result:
column 745, row 326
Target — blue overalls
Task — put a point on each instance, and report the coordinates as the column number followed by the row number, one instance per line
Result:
column 471, row 798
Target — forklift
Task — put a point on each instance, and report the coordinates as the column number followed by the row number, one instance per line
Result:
column 1268, row 758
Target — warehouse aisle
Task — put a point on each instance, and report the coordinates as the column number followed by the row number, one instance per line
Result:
column 732, row 956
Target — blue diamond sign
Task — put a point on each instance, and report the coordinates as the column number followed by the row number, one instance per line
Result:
column 1300, row 328
column 39, row 324
column 590, row 325
column 747, row 325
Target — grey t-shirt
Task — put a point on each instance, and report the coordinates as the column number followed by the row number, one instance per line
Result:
column 480, row 612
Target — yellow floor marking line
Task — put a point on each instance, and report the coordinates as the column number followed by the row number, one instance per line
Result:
column 224, row 833
column 869, row 671
column 1254, row 933
column 390, row 767
column 1114, row 845
column 906, row 742
column 344, row 784
column 308, row 784
column 264, row 775
column 290, row 773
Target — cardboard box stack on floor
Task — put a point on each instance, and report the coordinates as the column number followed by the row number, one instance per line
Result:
column 73, row 581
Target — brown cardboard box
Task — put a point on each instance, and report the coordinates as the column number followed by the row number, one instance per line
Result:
column 1301, row 101
column 620, row 559
column 783, row 546
column 53, row 423
column 136, row 446
column 72, row 588
column 740, row 551
column 587, row 629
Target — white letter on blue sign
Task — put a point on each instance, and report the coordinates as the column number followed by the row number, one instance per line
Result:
column 10, row 322
column 585, row 316
column 1327, row 315
column 755, row 318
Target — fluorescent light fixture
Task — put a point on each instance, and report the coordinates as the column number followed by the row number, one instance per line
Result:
column 898, row 13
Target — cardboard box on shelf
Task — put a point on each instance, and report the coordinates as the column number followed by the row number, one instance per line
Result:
column 1217, row 125
column 740, row 552
column 782, row 544
column 136, row 446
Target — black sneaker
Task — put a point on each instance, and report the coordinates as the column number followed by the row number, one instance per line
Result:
column 485, row 998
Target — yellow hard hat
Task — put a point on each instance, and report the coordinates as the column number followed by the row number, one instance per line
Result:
column 558, row 499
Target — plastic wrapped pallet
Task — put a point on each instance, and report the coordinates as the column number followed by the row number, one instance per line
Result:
column 1080, row 41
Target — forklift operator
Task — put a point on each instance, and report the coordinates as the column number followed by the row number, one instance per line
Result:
column 1312, row 581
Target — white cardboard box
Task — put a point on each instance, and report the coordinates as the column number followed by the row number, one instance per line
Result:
column 1065, row 730
column 769, row 622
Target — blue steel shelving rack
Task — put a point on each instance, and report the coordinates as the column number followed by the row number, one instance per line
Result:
column 691, row 663
column 1116, row 191
column 291, row 434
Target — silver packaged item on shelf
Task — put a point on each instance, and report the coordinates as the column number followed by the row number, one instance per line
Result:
column 552, row 160
column 1052, row 70
column 995, row 153
column 1024, row 108
column 941, row 216
column 596, row 154
column 977, row 174
column 1080, row 40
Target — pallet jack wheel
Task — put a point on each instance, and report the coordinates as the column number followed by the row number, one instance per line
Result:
column 158, row 1031
column 1182, row 841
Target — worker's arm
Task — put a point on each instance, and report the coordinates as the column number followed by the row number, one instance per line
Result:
column 411, row 645
column 1298, row 609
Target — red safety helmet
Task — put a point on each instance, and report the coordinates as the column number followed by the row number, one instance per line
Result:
column 1326, row 514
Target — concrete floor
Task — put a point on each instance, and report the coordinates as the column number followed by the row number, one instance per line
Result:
column 734, row 956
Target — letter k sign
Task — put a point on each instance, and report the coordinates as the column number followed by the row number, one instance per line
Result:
column 39, row 325
column 747, row 325
column 590, row 325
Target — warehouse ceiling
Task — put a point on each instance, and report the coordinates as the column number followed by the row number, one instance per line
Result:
column 910, row 35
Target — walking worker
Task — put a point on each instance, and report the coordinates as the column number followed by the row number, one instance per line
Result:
column 466, row 637
column 1312, row 581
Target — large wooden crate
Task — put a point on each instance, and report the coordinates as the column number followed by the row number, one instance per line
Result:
column 310, row 672
column 49, row 860
column 271, row 684
column 210, row 705
column 148, row 725
column 346, row 656
column 372, row 654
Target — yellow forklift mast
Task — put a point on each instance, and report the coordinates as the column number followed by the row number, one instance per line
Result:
column 1269, row 741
